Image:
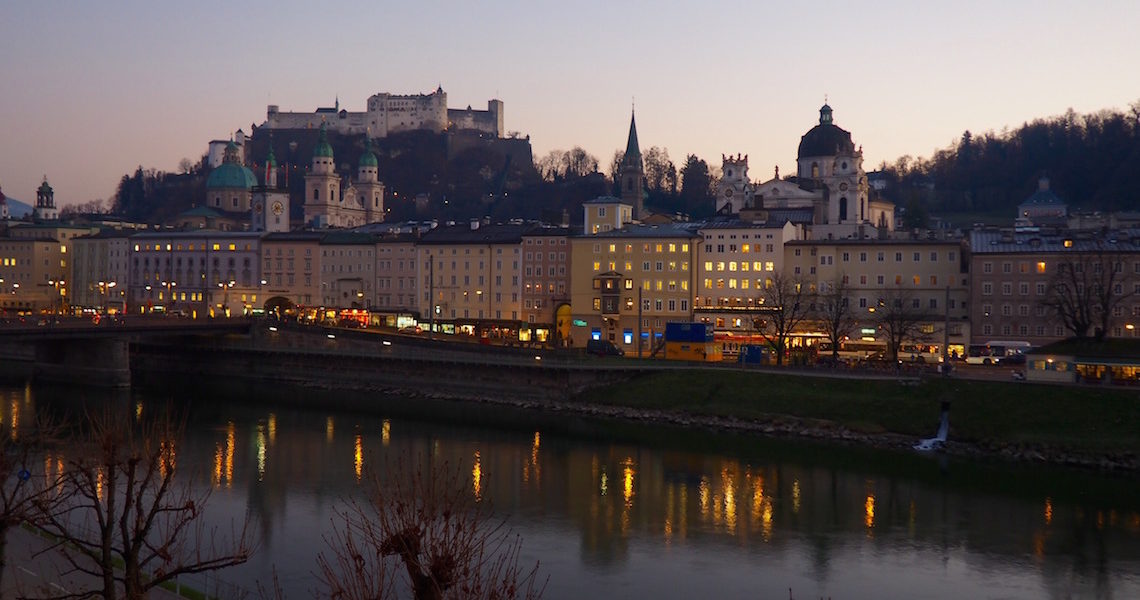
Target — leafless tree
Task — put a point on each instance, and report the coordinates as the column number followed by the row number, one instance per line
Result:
column 900, row 317
column 660, row 172
column 834, row 313
column 126, row 517
column 1086, row 288
column 423, row 530
column 21, row 490
column 785, row 304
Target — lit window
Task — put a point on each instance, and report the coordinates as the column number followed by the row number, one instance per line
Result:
column 1041, row 267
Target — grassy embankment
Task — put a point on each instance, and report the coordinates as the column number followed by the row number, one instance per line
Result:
column 988, row 414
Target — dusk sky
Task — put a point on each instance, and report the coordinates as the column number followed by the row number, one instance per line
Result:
column 91, row 90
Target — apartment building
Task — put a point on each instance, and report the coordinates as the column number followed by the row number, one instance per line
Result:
column 1013, row 282
column 929, row 278
column 199, row 273
column 291, row 267
column 626, row 284
column 545, row 284
column 99, row 270
column 470, row 278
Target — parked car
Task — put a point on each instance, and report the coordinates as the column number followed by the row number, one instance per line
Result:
column 603, row 348
column 1012, row 359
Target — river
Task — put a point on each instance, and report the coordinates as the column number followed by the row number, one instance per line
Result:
column 617, row 510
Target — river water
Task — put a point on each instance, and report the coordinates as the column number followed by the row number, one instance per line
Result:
column 614, row 510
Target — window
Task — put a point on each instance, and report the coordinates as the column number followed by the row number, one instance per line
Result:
column 987, row 289
column 987, row 267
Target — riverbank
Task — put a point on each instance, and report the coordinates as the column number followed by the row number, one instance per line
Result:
column 1073, row 426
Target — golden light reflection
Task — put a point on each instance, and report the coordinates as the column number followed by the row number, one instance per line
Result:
column 796, row 496
column 604, row 486
column 758, row 497
column 628, row 473
column 766, row 520
column 272, row 428
column 14, row 417
column 869, row 512
column 703, row 496
column 99, row 484
column 167, row 458
column 728, row 479
column 218, row 460
column 477, row 477
column 668, row 527
column 1100, row 519
column 138, row 410
column 534, row 456
column 260, row 453
column 358, row 456
column 231, row 445
column 1048, row 510
column 329, row 430
column 386, row 432
column 1039, row 544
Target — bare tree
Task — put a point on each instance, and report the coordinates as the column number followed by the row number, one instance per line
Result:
column 125, row 519
column 20, row 489
column 423, row 530
column 784, row 303
column 660, row 172
column 834, row 313
column 901, row 318
column 1086, row 288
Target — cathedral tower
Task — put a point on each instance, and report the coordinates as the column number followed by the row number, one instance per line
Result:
column 369, row 188
column 322, row 184
column 45, row 203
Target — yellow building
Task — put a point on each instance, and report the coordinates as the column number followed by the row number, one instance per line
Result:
column 31, row 274
column 470, row 278
column 928, row 278
column 290, row 269
column 63, row 234
column 627, row 284
column 396, row 274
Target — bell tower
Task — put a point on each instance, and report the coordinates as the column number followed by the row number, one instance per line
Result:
column 633, row 172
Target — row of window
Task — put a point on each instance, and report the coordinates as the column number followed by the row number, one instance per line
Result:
column 645, row 266
column 647, row 304
column 881, row 256
column 645, row 248
column 744, row 248
column 732, row 266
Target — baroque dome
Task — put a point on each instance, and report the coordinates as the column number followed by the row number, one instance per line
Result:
column 231, row 173
column 826, row 139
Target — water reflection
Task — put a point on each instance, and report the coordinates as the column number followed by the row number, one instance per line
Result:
column 601, row 513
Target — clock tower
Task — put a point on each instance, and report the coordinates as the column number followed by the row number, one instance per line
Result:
column 270, row 206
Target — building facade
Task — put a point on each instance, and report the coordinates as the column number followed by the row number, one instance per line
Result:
column 545, row 285
column 625, row 285
column 198, row 273
column 99, row 270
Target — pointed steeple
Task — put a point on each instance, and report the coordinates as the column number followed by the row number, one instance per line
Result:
column 631, row 148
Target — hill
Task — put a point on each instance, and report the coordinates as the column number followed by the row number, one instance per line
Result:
column 1088, row 158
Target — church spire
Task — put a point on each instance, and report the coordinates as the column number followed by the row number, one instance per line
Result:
column 631, row 148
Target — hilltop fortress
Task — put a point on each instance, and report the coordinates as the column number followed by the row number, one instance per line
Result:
column 390, row 113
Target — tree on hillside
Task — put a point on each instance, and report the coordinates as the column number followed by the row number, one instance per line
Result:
column 1085, row 290
column 785, row 303
column 834, row 313
column 696, row 186
column 423, row 532
column 123, row 517
column 660, row 172
column 561, row 165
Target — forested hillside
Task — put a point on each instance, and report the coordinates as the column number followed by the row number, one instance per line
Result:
column 1091, row 161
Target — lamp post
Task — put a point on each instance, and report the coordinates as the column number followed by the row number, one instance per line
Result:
column 58, row 289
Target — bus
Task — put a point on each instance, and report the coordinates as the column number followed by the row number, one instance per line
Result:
column 854, row 350
column 993, row 351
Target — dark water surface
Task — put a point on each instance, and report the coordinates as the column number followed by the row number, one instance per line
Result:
column 632, row 511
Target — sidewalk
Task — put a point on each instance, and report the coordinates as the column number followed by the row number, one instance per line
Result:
column 30, row 576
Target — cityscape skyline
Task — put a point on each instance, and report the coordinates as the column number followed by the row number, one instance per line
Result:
column 92, row 92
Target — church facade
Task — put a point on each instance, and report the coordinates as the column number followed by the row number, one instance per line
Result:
column 830, row 187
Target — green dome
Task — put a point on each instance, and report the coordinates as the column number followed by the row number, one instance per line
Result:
column 323, row 149
column 231, row 175
column 368, row 159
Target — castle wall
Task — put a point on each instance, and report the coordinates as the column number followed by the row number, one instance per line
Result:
column 389, row 113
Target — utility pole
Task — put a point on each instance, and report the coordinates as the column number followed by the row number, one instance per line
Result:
column 431, row 297
column 946, row 335
column 639, row 321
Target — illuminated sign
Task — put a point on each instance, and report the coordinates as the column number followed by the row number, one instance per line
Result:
column 578, row 323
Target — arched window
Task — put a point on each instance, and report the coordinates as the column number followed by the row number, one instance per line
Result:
column 815, row 170
column 842, row 209
column 316, row 194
